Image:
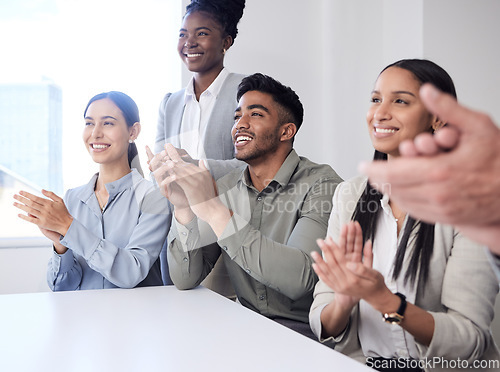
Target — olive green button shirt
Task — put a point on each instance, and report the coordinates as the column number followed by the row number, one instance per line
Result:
column 266, row 245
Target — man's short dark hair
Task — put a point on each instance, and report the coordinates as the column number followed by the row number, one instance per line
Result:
column 290, row 108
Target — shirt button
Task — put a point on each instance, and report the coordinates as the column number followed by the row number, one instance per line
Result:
column 247, row 270
column 185, row 259
column 184, row 233
column 262, row 297
column 259, row 198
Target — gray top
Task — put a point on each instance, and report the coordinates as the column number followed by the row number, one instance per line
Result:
column 218, row 141
column 267, row 244
column 118, row 247
column 495, row 263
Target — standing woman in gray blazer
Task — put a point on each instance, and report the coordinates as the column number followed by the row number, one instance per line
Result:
column 398, row 293
column 199, row 117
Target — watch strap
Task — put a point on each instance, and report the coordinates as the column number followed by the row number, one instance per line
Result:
column 402, row 306
column 398, row 316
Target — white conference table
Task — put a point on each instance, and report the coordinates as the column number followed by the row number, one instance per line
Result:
column 151, row 329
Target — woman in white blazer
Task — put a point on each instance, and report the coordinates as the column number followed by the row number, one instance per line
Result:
column 394, row 292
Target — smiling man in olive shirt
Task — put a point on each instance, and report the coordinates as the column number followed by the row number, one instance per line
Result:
column 264, row 218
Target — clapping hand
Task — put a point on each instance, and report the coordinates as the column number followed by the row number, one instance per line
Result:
column 196, row 182
column 50, row 215
column 334, row 267
column 171, row 190
column 156, row 161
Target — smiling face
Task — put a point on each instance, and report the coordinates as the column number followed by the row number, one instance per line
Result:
column 396, row 112
column 106, row 134
column 201, row 43
column 256, row 130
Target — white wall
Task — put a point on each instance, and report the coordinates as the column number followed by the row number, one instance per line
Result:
column 464, row 37
column 331, row 51
column 287, row 40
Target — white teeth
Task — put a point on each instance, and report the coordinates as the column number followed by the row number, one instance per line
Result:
column 193, row 55
column 99, row 146
column 243, row 138
column 383, row 130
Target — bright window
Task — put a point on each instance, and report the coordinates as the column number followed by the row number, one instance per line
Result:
column 57, row 54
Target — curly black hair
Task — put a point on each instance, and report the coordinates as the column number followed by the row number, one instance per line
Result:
column 227, row 13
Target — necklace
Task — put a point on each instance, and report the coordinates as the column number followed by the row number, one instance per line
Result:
column 394, row 208
column 101, row 204
column 402, row 214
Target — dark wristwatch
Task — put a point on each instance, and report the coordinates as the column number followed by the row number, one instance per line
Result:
column 398, row 316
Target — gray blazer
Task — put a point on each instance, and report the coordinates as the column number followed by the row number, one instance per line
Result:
column 460, row 292
column 218, row 142
column 218, row 145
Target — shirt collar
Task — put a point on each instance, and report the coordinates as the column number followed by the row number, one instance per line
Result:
column 282, row 177
column 189, row 91
column 386, row 208
column 113, row 188
column 214, row 88
column 384, row 202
